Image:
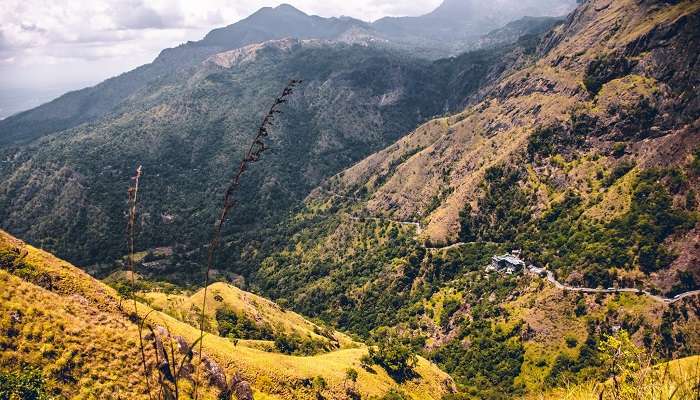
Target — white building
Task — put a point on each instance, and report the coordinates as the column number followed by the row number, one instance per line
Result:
column 508, row 263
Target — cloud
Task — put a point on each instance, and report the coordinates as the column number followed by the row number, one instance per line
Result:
column 4, row 45
column 75, row 41
column 137, row 14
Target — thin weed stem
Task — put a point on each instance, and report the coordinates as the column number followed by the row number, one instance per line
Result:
column 252, row 156
column 133, row 201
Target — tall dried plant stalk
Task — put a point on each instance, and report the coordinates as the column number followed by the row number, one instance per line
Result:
column 252, row 156
column 133, row 201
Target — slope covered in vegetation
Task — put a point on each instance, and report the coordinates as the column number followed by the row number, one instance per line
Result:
column 185, row 131
column 585, row 158
column 78, row 339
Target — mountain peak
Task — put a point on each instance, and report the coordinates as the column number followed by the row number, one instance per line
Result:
column 288, row 8
column 281, row 11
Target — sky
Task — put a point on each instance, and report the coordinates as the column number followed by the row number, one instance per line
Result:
column 48, row 47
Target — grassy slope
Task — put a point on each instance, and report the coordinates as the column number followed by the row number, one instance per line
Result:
column 548, row 313
column 432, row 173
column 78, row 323
column 676, row 379
column 252, row 306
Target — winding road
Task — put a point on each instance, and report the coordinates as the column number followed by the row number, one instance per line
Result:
column 550, row 277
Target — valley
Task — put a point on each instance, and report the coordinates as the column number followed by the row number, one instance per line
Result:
column 368, row 239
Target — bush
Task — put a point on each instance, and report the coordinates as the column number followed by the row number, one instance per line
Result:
column 392, row 354
column 296, row 345
column 618, row 172
column 619, row 150
column 695, row 164
column 27, row 384
column 232, row 325
column 604, row 69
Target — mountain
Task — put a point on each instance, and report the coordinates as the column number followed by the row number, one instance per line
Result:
column 84, row 339
column 189, row 129
column 284, row 21
column 460, row 21
column 111, row 96
column 185, row 117
column 587, row 128
column 523, row 216
column 587, row 160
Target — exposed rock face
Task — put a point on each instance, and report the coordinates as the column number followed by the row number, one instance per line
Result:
column 230, row 59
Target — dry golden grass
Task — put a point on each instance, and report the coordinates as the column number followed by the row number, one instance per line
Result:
column 256, row 308
column 78, row 323
column 679, row 380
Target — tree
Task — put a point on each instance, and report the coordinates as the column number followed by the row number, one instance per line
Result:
column 621, row 356
column 392, row 354
column 350, row 375
column 319, row 385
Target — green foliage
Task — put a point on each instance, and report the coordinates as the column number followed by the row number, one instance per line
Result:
column 618, row 172
column 393, row 354
column 686, row 282
column 618, row 150
column 294, row 344
column 241, row 327
column 238, row 326
column 351, row 375
column 490, row 363
column 564, row 241
column 319, row 384
column 26, row 384
column 540, row 142
column 327, row 287
column 567, row 369
column 449, row 307
column 581, row 307
column 695, row 164
column 604, row 69
column 503, row 208
column 13, row 260
column 620, row 356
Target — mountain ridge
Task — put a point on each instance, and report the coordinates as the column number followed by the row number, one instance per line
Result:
column 90, row 104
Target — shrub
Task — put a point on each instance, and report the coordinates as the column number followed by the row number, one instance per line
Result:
column 695, row 164
column 604, row 69
column 618, row 172
column 237, row 326
column 619, row 150
column 296, row 345
column 27, row 384
column 392, row 354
